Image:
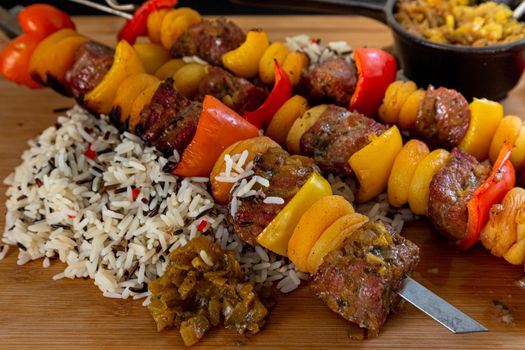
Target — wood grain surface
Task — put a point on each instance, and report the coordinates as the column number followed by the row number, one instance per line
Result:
column 39, row 313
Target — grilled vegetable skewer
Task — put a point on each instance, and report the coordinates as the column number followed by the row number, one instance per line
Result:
column 166, row 119
column 166, row 98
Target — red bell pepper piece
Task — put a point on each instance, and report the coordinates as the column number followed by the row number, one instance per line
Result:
column 90, row 153
column 376, row 69
column 41, row 20
column 501, row 180
column 15, row 58
column 202, row 225
column 281, row 92
column 218, row 128
column 135, row 193
column 138, row 25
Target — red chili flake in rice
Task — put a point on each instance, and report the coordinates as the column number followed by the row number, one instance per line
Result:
column 135, row 193
column 90, row 153
column 202, row 225
column 72, row 216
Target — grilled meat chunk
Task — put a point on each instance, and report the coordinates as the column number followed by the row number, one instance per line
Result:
column 359, row 281
column 336, row 136
column 209, row 40
column 170, row 120
column 451, row 189
column 92, row 61
column 179, row 133
column 333, row 80
column 286, row 174
column 196, row 293
column 238, row 93
column 443, row 118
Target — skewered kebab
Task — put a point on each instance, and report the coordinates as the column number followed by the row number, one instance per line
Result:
column 181, row 101
column 451, row 128
column 123, row 48
column 305, row 135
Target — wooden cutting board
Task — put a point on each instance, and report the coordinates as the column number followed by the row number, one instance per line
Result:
column 39, row 313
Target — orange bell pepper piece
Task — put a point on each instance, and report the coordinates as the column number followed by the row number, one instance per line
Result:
column 126, row 63
column 218, row 128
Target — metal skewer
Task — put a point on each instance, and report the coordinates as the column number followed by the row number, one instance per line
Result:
column 114, row 8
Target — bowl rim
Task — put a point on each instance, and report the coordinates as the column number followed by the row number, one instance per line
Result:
column 394, row 24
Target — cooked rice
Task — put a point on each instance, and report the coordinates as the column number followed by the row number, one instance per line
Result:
column 318, row 52
column 65, row 206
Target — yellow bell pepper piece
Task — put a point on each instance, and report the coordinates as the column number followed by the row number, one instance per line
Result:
column 176, row 22
column 373, row 163
column 419, row 191
column 276, row 235
column 128, row 91
column 294, row 64
column 39, row 64
column 333, row 237
column 153, row 56
column 284, row 118
column 168, row 69
column 396, row 95
column 485, row 116
column 300, row 126
column 126, row 63
column 276, row 51
column 312, row 224
column 244, row 60
column 188, row 78
column 154, row 24
column 403, row 170
column 143, row 99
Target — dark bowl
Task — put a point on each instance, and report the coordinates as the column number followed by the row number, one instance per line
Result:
column 490, row 71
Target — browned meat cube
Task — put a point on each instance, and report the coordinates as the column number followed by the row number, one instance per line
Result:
column 286, row 174
column 92, row 61
column 334, row 81
column 359, row 281
column 180, row 131
column 164, row 107
column 336, row 136
column 443, row 118
column 238, row 93
column 209, row 40
column 451, row 189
